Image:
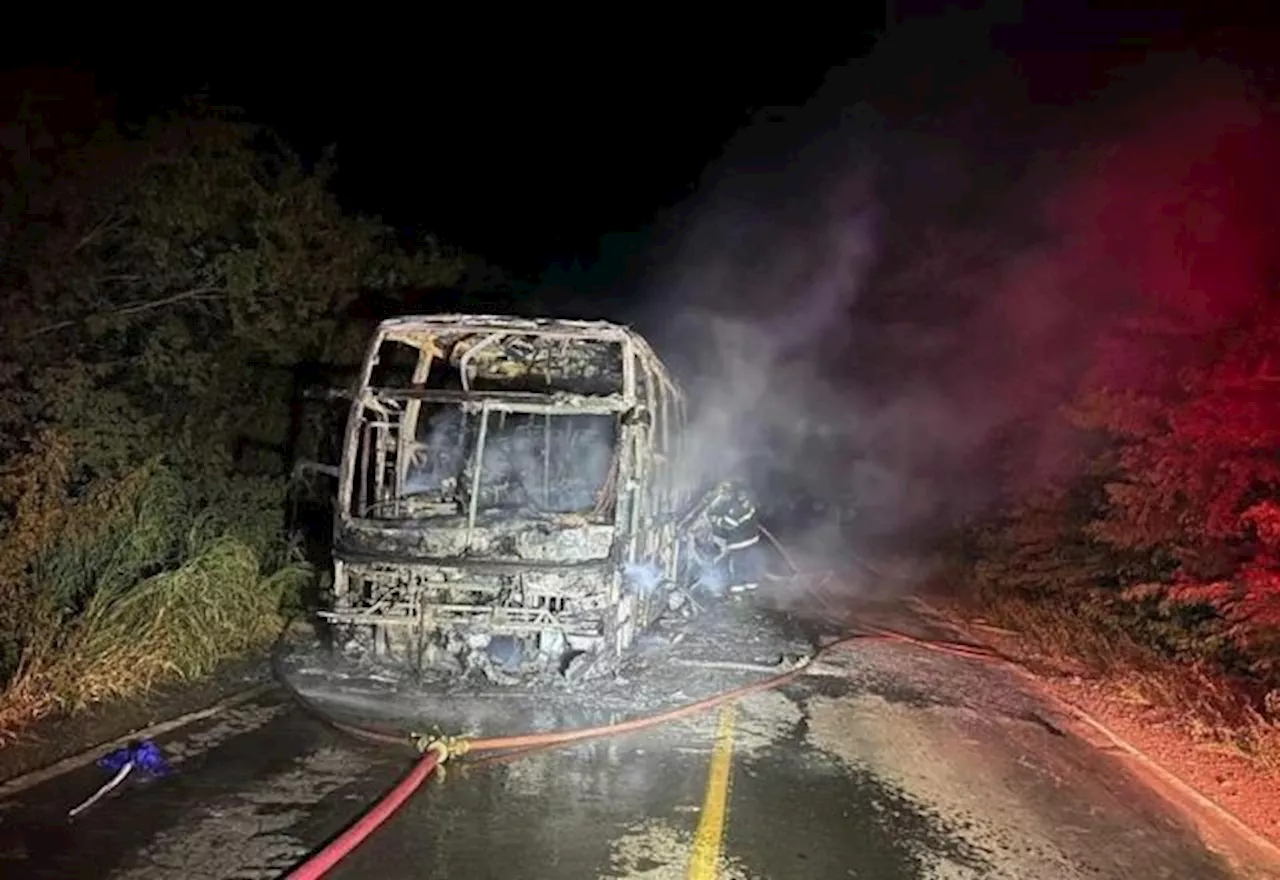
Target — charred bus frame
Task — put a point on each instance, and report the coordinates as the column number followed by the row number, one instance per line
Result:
column 435, row 582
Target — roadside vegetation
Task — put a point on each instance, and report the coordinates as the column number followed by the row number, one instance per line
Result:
column 162, row 289
column 1152, row 561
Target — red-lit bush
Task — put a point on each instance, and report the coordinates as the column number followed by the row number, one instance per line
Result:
column 1184, row 383
column 1199, row 474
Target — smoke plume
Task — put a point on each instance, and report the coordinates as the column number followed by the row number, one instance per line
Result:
column 878, row 317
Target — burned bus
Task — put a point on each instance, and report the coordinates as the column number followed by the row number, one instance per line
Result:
column 509, row 495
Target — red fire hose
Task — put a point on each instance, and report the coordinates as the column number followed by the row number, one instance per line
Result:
column 320, row 863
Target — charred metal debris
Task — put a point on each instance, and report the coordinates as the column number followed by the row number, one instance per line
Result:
column 512, row 499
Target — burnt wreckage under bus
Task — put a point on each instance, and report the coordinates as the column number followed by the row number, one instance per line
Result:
column 510, row 496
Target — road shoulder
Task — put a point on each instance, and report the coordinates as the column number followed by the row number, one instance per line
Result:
column 59, row 738
column 1175, row 769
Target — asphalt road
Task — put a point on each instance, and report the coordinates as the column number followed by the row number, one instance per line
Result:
column 886, row 762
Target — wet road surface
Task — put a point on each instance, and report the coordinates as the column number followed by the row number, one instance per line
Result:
column 885, row 762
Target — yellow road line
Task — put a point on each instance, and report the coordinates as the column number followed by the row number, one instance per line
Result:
column 709, row 841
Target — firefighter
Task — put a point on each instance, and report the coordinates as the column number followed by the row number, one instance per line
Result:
column 733, row 531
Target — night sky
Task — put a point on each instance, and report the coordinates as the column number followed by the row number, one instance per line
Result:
column 525, row 153
column 530, row 148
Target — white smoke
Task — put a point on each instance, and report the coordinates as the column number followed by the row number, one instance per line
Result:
column 873, row 316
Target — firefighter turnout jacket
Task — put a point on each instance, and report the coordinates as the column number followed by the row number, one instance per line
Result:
column 732, row 518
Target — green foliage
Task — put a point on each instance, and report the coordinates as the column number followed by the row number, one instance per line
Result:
column 166, row 275
column 118, row 534
column 160, row 287
column 137, row 587
column 181, row 622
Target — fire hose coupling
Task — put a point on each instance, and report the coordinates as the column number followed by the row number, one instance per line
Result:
column 445, row 746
